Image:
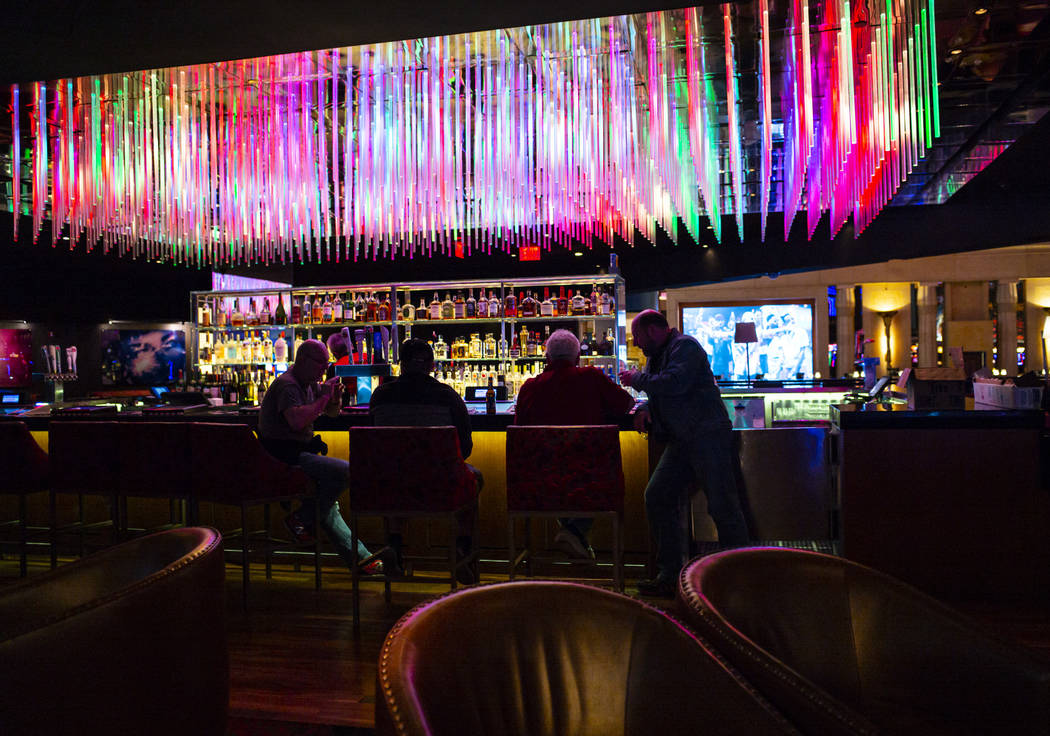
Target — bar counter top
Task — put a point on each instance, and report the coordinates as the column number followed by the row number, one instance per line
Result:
column 899, row 416
column 349, row 417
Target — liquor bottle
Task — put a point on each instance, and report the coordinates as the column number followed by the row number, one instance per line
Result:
column 422, row 311
column 337, row 308
column 563, row 304
column 578, row 304
column 440, row 348
column 408, row 312
column 501, row 348
column 308, row 310
column 360, row 308
column 280, row 316
column 490, row 398
column 489, row 350
column 510, row 305
column 459, row 306
column 280, row 349
column 596, row 300
column 585, row 346
column 266, row 315
column 236, row 316
column 267, row 347
column 515, row 348
column 531, row 347
column 204, row 314
column 546, row 337
column 318, row 311
column 605, row 347
column 527, row 306
column 475, row 346
column 218, row 349
column 494, row 305
column 471, row 307
column 233, row 350
column 524, row 335
column 297, row 310
column 220, row 314
column 371, row 307
column 251, row 318
column 326, row 310
column 608, row 304
column 448, row 310
column 383, row 312
column 546, row 306
column 435, row 307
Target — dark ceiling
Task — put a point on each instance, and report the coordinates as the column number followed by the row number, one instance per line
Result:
column 996, row 86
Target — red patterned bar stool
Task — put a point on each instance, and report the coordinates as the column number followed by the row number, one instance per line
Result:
column 229, row 466
column 24, row 469
column 410, row 472
column 555, row 472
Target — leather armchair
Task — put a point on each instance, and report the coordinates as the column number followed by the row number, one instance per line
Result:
column 841, row 648
column 540, row 657
column 131, row 640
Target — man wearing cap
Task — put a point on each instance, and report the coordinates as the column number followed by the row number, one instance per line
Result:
column 286, row 429
column 566, row 394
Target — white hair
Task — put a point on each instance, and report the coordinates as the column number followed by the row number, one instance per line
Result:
column 563, row 345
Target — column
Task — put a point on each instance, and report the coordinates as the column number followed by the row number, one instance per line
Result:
column 927, row 298
column 1006, row 330
column 844, row 304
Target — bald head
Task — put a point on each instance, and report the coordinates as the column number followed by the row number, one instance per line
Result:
column 649, row 330
column 311, row 361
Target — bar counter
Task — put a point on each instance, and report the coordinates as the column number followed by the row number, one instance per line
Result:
column 953, row 502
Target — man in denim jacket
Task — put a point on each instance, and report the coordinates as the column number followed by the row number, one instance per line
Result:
column 685, row 409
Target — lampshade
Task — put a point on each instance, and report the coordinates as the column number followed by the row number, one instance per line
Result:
column 745, row 332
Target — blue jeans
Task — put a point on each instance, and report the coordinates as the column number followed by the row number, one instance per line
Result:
column 332, row 477
column 707, row 457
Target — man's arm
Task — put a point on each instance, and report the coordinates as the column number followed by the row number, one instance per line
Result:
column 299, row 417
column 677, row 376
column 615, row 400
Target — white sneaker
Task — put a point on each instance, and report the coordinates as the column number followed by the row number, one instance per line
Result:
column 573, row 546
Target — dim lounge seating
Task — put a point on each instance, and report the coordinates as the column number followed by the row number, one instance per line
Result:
column 126, row 641
column 535, row 657
column 841, row 648
column 154, row 462
column 411, row 472
column 558, row 472
column 229, row 466
column 24, row 469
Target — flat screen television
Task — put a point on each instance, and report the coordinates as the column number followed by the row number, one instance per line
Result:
column 16, row 358
column 785, row 338
column 142, row 357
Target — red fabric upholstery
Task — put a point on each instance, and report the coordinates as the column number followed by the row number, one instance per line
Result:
column 410, row 469
column 24, row 466
column 83, row 457
column 564, row 469
column 229, row 465
column 154, row 459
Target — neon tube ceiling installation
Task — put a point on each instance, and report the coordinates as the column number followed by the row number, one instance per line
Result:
column 586, row 131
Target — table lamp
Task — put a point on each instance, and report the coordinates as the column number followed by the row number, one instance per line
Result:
column 746, row 333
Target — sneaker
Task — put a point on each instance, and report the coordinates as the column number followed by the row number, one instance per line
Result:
column 371, row 565
column 298, row 529
column 656, row 588
column 571, row 544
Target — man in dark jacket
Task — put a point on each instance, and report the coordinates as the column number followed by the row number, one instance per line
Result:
column 685, row 408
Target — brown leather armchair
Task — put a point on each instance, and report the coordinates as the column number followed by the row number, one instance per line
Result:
column 540, row 657
column 841, row 648
column 131, row 640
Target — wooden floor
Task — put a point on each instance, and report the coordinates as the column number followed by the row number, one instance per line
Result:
column 297, row 670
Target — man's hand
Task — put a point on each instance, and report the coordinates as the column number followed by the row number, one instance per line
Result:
column 641, row 419
column 627, row 378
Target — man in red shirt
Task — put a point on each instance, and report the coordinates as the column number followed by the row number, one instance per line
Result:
column 565, row 394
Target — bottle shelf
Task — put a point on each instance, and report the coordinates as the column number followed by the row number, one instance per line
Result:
column 240, row 364
column 571, row 318
column 472, row 360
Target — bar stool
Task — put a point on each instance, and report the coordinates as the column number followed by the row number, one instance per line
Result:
column 85, row 462
column 410, row 472
column 26, row 470
column 155, row 462
column 557, row 472
column 229, row 466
